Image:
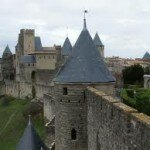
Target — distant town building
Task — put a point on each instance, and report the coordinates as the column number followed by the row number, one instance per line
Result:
column 146, row 56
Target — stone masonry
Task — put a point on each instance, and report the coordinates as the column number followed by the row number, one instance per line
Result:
column 114, row 125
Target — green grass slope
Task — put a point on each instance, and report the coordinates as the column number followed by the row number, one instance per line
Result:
column 13, row 122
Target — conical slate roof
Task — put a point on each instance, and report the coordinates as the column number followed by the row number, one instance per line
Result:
column 28, row 59
column 7, row 50
column 38, row 43
column 67, row 47
column 30, row 140
column 85, row 65
column 97, row 41
column 146, row 56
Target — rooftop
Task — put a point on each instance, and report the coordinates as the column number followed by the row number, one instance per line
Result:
column 84, row 65
column 30, row 140
column 67, row 47
column 28, row 59
column 97, row 41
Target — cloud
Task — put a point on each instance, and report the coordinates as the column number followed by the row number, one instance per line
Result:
column 123, row 26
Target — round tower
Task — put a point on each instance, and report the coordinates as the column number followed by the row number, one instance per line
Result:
column 7, row 64
column 98, row 43
column 83, row 68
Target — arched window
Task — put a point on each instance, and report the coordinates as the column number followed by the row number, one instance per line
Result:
column 73, row 134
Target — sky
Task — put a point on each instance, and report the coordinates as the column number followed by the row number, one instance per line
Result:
column 123, row 25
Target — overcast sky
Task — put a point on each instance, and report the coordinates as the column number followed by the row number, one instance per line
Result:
column 123, row 25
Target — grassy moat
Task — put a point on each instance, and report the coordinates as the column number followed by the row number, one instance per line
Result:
column 14, row 119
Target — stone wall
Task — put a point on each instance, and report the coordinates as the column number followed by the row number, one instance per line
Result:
column 2, row 88
column 113, row 125
column 49, row 107
column 11, row 88
column 18, row 89
column 147, row 81
column 23, row 89
column 70, row 118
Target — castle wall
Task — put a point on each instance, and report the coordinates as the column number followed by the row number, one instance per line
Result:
column 2, row 88
column 46, row 61
column 107, row 88
column 49, row 107
column 113, row 125
column 12, row 88
column 42, row 89
column 18, row 89
column 23, row 89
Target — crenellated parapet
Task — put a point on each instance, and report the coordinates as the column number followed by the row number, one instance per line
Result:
column 114, row 125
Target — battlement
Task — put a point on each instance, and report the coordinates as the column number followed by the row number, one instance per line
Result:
column 27, row 31
column 114, row 125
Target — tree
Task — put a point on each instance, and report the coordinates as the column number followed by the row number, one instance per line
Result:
column 133, row 74
column 147, row 70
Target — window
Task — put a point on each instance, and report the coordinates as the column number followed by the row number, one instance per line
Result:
column 112, row 114
column 65, row 91
column 73, row 134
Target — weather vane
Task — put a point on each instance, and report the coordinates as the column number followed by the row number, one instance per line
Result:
column 85, row 12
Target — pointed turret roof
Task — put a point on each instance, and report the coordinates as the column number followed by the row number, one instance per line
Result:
column 38, row 43
column 85, row 65
column 67, row 47
column 7, row 50
column 146, row 55
column 30, row 140
column 97, row 41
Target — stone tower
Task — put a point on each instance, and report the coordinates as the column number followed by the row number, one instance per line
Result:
column 28, row 42
column 85, row 67
column 98, row 43
column 66, row 49
column 25, row 46
column 7, row 64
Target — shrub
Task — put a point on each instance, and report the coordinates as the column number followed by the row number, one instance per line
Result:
column 143, row 101
column 130, row 93
column 33, row 109
column 128, row 100
column 5, row 100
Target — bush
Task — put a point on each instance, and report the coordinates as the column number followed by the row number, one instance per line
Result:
column 130, row 93
column 128, row 100
column 5, row 100
column 33, row 109
column 143, row 101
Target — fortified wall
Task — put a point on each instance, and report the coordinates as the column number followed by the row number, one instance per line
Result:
column 114, row 125
column 24, row 89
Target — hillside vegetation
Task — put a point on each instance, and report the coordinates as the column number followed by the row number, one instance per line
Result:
column 14, row 119
column 137, row 98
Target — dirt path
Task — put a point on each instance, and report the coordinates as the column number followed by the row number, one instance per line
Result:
column 7, row 123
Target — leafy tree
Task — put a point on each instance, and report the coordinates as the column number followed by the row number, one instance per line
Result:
column 143, row 101
column 147, row 70
column 133, row 74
